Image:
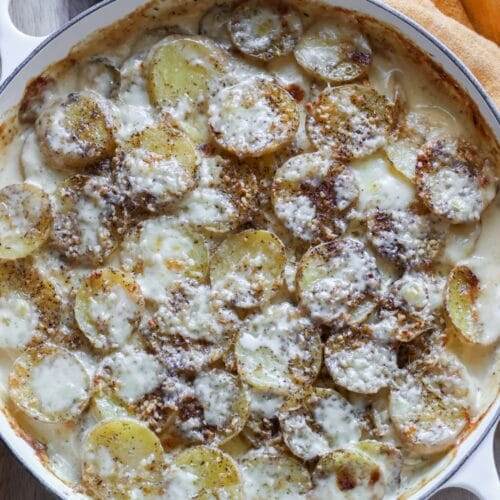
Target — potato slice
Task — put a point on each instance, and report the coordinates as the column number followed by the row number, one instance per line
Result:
column 131, row 374
column 213, row 24
column 278, row 349
column 454, row 180
column 430, row 406
column 462, row 291
column 29, row 306
column 25, row 220
column 161, row 251
column 122, row 459
column 191, row 328
column 77, row 131
column 273, row 475
column 310, row 194
column 156, row 167
column 403, row 151
column 348, row 474
column 224, row 198
column 214, row 412
column 358, row 362
column 253, row 118
column 334, row 50
column 405, row 238
column 179, row 68
column 49, row 384
column 264, row 31
column 100, row 74
column 203, row 472
column 88, row 218
column 108, row 307
column 318, row 421
column 351, row 121
column 262, row 425
column 247, row 268
column 336, row 282
column 388, row 457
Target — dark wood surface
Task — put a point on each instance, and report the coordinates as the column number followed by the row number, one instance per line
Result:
column 39, row 17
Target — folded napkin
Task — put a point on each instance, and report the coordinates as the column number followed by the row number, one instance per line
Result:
column 480, row 55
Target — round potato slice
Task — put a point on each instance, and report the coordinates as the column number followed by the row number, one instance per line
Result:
column 131, row 374
column 454, row 181
column 88, row 218
column 462, row 291
column 203, row 472
column 351, row 121
column 49, row 384
column 77, row 131
column 213, row 24
column 215, row 412
column 430, row 406
column 359, row 363
column 161, row 251
column 267, row 475
column 100, row 74
column 336, row 281
column 108, row 307
column 334, row 50
column 247, row 268
column 179, row 68
column 388, row 457
column 348, row 474
column 278, row 349
column 156, row 167
column 262, row 425
column 409, row 240
column 265, row 31
column 191, row 327
column 224, row 197
column 317, row 422
column 25, row 220
column 253, row 118
column 29, row 306
column 310, row 194
column 122, row 459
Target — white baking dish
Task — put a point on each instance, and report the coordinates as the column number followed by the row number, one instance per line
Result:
column 472, row 464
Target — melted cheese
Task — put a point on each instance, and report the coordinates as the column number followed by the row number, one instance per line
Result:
column 19, row 320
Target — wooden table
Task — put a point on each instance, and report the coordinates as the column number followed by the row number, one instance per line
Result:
column 38, row 17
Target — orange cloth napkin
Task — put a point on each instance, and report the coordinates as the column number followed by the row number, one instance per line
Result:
column 480, row 55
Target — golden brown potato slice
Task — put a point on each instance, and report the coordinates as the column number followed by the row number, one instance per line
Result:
column 156, row 167
column 351, row 121
column 122, row 459
column 108, row 307
column 205, row 473
column 310, row 193
column 25, row 220
column 336, row 282
column 77, row 131
column 454, row 180
column 273, row 475
column 253, row 118
column 262, row 30
column 88, row 218
column 334, row 50
column 349, row 474
column 50, row 384
column 182, row 68
column 430, row 405
column 462, row 291
column 318, row 421
column 278, row 349
column 247, row 267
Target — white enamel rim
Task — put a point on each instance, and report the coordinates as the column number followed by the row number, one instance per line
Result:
column 472, row 466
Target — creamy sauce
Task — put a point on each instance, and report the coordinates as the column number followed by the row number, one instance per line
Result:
column 164, row 252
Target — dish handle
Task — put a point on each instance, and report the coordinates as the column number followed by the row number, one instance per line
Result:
column 478, row 474
column 15, row 45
